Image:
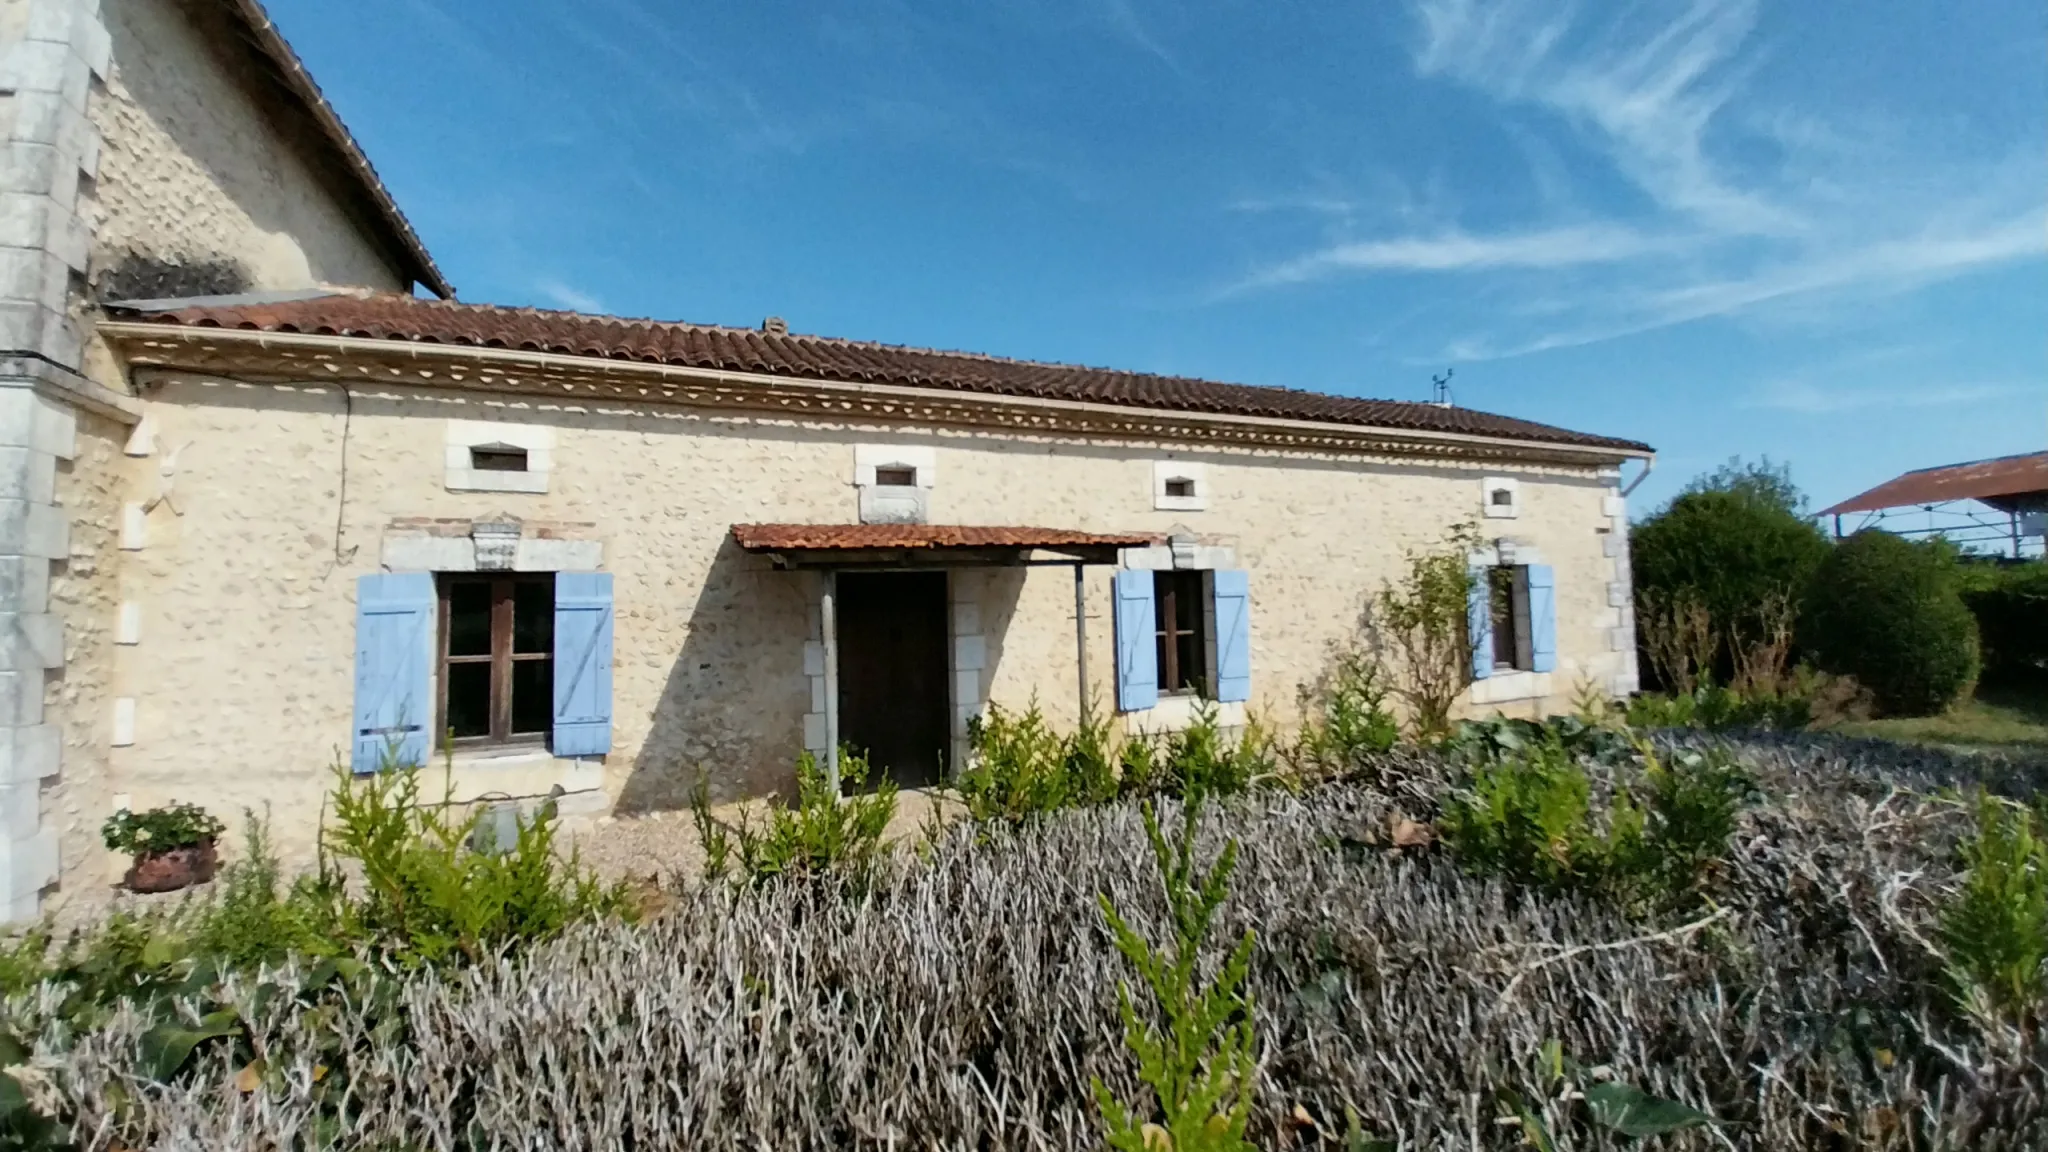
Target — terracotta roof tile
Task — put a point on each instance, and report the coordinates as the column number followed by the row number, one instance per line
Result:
column 779, row 537
column 393, row 317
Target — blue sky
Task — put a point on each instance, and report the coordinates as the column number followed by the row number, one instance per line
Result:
column 1813, row 230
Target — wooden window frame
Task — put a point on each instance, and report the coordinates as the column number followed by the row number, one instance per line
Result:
column 504, row 591
column 1513, row 629
column 1167, row 588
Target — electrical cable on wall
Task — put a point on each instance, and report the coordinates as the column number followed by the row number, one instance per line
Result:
column 348, row 414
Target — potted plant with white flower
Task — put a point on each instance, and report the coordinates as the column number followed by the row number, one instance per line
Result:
column 172, row 847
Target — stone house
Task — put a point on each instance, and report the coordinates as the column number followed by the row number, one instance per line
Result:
column 267, row 508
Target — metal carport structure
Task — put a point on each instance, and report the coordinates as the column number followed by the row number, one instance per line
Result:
column 2013, row 492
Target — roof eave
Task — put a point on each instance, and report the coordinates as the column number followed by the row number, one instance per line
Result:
column 302, row 356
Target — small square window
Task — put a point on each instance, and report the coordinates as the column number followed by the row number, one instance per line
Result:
column 896, row 477
column 497, row 458
column 1180, row 486
column 1502, row 498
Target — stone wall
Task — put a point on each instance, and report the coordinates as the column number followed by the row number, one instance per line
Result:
column 85, row 592
column 285, row 494
column 205, row 185
column 141, row 155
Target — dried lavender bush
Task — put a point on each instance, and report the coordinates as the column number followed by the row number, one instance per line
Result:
column 966, row 999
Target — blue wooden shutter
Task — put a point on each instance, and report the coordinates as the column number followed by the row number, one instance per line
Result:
column 1542, row 618
column 1479, row 622
column 583, row 664
column 1233, row 634
column 394, row 670
column 1137, row 657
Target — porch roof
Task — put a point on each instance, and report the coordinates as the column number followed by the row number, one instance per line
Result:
column 849, row 545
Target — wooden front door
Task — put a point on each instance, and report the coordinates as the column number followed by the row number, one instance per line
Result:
column 893, row 698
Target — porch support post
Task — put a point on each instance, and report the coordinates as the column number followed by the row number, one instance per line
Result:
column 1081, row 635
column 828, row 614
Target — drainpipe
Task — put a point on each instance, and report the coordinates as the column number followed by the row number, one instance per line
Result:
column 1649, row 462
column 828, row 613
column 1081, row 635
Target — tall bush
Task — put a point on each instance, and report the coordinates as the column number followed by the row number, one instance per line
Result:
column 1889, row 612
column 1736, row 545
column 2010, row 602
column 1421, row 624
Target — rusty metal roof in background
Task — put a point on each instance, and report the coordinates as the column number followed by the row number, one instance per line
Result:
column 1987, row 480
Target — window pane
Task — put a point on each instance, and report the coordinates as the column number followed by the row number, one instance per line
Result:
column 533, row 695
column 1187, row 601
column 469, row 618
column 1162, row 669
column 469, row 699
column 1501, row 602
column 533, row 617
column 1192, row 662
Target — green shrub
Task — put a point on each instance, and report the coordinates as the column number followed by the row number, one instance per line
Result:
column 1528, row 813
column 2010, row 603
column 1422, row 624
column 822, row 835
column 1733, row 550
column 1138, row 768
column 424, row 893
column 1805, row 699
column 1196, row 1048
column 1888, row 612
column 1689, row 805
column 1346, row 721
column 1996, row 924
column 253, row 919
column 1477, row 742
column 1022, row 768
column 1201, row 761
column 1527, row 816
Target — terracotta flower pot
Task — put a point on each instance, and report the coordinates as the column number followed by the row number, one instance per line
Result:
column 172, row 868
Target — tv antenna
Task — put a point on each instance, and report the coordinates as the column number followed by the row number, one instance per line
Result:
column 1440, row 388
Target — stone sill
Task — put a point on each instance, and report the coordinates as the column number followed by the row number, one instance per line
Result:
column 1179, row 713
column 1508, row 684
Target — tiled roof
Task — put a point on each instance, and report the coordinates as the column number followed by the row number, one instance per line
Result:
column 785, row 537
column 262, row 37
column 387, row 316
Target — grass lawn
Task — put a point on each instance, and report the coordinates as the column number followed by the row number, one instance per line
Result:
column 2007, row 716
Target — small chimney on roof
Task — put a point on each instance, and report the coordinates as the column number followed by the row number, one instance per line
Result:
column 775, row 326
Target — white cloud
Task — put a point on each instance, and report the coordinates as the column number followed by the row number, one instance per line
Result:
column 1817, row 209
column 568, row 297
column 1805, row 397
column 1452, row 250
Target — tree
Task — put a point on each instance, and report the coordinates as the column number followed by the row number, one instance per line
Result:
column 1890, row 613
column 1767, row 483
column 1734, row 544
